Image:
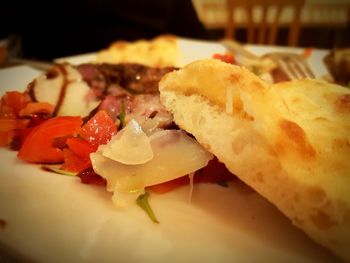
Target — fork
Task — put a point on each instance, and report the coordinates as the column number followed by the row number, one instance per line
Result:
column 292, row 65
column 37, row 64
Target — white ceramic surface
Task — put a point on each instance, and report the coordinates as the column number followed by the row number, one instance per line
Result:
column 54, row 218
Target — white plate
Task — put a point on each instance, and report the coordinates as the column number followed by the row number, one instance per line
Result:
column 53, row 218
column 16, row 78
column 191, row 50
column 315, row 60
column 197, row 49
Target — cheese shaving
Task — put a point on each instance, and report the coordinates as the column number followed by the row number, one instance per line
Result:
column 191, row 177
column 229, row 95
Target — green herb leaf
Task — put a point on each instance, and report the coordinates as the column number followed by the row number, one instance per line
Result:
column 57, row 170
column 142, row 201
column 121, row 116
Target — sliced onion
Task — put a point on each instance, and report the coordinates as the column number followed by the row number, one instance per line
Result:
column 130, row 146
column 175, row 155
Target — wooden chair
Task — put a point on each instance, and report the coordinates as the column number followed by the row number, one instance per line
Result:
column 267, row 30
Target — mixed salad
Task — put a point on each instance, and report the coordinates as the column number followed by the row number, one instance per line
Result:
column 105, row 125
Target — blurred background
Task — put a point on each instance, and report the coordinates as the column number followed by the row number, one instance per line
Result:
column 51, row 29
column 323, row 23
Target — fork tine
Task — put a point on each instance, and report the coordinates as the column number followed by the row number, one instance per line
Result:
column 298, row 68
column 284, row 67
column 306, row 68
column 301, row 67
column 293, row 65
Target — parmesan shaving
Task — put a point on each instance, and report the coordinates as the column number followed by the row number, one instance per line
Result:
column 191, row 177
column 229, row 95
column 130, row 146
column 175, row 154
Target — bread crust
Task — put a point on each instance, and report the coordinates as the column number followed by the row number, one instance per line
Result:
column 289, row 141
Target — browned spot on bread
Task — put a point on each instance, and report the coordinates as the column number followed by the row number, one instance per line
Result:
column 237, row 103
column 341, row 143
column 235, row 78
column 3, row 224
column 257, row 85
column 238, row 108
column 296, row 99
column 296, row 198
column 343, row 103
column 322, row 220
column 316, row 195
column 260, row 177
column 346, row 217
column 296, row 138
column 298, row 221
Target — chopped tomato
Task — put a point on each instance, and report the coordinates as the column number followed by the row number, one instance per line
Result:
column 170, row 185
column 88, row 176
column 10, row 130
column 227, row 57
column 7, row 125
column 307, row 52
column 12, row 103
column 79, row 147
column 17, row 138
column 6, row 112
column 38, row 145
column 38, row 118
column 73, row 162
column 99, row 129
column 33, row 108
column 77, row 155
column 214, row 172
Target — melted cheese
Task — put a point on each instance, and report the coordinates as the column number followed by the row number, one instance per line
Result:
column 175, row 154
column 130, row 146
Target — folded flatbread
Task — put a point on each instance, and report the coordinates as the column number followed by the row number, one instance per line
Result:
column 289, row 141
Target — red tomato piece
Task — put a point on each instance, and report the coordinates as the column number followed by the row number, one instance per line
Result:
column 17, row 138
column 38, row 148
column 170, row 185
column 13, row 101
column 227, row 57
column 6, row 111
column 88, row 176
column 99, row 129
column 7, row 125
column 308, row 52
column 214, row 172
column 73, row 162
column 80, row 147
column 33, row 108
column 10, row 131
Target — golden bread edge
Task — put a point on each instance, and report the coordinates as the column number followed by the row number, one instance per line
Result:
column 245, row 150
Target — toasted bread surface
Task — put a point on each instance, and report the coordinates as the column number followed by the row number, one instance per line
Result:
column 289, row 141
